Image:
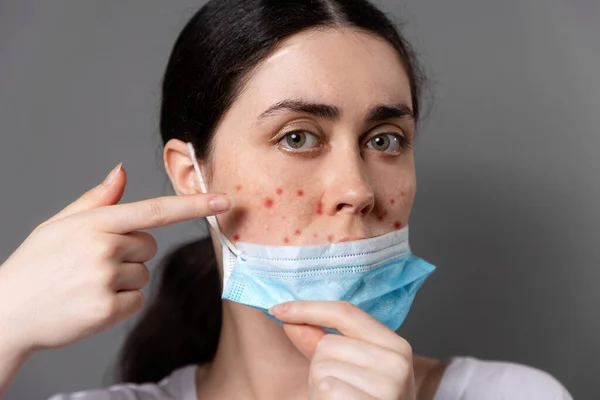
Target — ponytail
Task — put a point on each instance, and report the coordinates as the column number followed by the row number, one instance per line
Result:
column 182, row 322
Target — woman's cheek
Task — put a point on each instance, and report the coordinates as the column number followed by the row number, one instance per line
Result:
column 393, row 210
column 269, row 217
column 405, row 203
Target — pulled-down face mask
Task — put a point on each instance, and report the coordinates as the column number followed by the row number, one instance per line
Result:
column 379, row 275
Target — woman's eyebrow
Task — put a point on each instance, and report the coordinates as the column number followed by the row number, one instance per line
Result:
column 380, row 112
column 302, row 106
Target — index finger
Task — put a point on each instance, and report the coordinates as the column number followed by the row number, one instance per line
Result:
column 160, row 211
column 343, row 316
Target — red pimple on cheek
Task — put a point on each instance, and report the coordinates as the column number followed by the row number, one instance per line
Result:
column 236, row 237
column 315, row 235
column 397, row 224
column 402, row 194
column 300, row 193
column 297, row 232
column 268, row 202
column 392, row 201
column 320, row 208
column 330, row 238
column 279, row 191
column 238, row 188
column 286, row 239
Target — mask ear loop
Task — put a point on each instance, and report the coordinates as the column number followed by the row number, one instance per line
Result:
column 212, row 220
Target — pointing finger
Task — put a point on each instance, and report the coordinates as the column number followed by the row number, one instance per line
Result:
column 157, row 212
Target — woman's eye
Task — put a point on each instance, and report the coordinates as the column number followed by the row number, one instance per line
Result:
column 298, row 140
column 388, row 142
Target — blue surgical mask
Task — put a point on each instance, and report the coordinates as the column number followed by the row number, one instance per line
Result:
column 379, row 275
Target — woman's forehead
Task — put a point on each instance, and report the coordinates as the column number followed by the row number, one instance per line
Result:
column 344, row 67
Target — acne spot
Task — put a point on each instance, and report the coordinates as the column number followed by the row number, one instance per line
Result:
column 397, row 224
column 300, row 193
column 286, row 239
column 279, row 191
column 320, row 208
column 238, row 188
column 382, row 216
column 236, row 237
column 392, row 201
column 315, row 235
column 268, row 202
column 297, row 232
column 402, row 194
column 330, row 238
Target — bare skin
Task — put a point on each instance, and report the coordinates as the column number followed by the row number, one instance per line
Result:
column 428, row 375
column 350, row 178
column 92, row 251
column 318, row 174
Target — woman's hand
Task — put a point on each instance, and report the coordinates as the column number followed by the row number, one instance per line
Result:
column 81, row 271
column 368, row 362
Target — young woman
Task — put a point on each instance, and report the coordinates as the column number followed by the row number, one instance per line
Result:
column 303, row 113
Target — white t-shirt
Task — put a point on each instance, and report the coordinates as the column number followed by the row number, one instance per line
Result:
column 465, row 378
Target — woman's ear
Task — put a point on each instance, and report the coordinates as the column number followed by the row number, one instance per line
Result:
column 180, row 168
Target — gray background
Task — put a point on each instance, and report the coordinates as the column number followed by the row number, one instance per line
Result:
column 507, row 165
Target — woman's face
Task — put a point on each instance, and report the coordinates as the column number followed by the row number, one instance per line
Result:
column 314, row 148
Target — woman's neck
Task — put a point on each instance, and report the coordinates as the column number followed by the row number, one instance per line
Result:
column 255, row 360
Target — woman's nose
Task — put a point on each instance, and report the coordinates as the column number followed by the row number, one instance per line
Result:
column 356, row 201
column 348, row 189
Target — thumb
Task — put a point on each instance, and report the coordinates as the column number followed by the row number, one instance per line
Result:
column 304, row 337
column 107, row 193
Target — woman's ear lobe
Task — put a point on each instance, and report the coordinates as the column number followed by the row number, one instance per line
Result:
column 180, row 168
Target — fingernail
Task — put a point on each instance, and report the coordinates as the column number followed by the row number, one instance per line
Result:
column 278, row 309
column 113, row 174
column 220, row 203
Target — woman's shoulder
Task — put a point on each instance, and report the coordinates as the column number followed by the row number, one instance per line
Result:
column 468, row 378
column 179, row 385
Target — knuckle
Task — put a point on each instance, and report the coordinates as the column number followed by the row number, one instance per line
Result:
column 105, row 249
column 41, row 228
column 145, row 275
column 330, row 338
column 199, row 205
column 325, row 342
column 106, row 309
column 346, row 308
column 319, row 370
column 390, row 388
column 404, row 347
column 88, row 198
column 399, row 364
column 155, row 212
column 152, row 245
column 327, row 386
column 108, row 277
column 137, row 301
